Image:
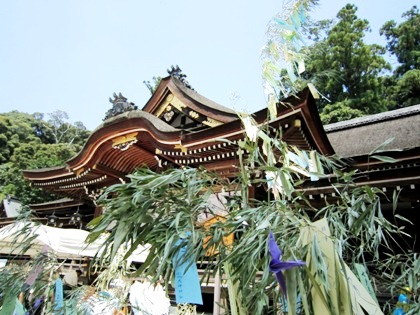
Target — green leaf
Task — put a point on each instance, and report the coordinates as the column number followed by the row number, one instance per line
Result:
column 264, row 224
column 150, row 257
column 381, row 147
column 304, row 295
column 120, row 235
column 94, row 222
column 283, row 24
column 360, row 272
column 386, row 159
column 93, row 236
column 290, row 276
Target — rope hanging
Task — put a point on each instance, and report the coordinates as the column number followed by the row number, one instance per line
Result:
column 186, row 309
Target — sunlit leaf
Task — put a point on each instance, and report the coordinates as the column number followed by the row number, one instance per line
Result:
column 383, row 158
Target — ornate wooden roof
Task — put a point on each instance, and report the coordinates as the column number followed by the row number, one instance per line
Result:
column 182, row 107
column 189, row 136
column 179, row 127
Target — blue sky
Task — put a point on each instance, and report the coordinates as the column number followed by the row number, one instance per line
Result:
column 73, row 55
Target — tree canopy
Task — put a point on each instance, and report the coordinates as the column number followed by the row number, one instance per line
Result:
column 63, row 132
column 354, row 86
column 403, row 41
column 29, row 142
column 353, row 77
column 17, row 128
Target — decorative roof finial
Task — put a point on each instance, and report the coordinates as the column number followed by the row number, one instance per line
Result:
column 119, row 106
column 176, row 72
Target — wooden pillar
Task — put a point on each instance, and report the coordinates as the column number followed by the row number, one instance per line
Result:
column 98, row 211
column 216, row 294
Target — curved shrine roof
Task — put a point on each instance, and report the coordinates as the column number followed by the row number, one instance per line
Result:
column 145, row 139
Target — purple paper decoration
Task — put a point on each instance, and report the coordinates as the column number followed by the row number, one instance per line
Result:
column 277, row 266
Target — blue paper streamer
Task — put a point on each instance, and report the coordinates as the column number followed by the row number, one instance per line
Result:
column 187, row 283
column 58, row 296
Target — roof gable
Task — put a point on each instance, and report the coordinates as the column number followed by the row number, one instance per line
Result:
column 137, row 138
column 183, row 108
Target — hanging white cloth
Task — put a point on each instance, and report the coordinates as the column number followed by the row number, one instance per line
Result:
column 65, row 243
column 148, row 299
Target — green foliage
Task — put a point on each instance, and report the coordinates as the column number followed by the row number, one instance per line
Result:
column 29, row 142
column 152, row 86
column 64, row 132
column 403, row 41
column 14, row 277
column 283, row 56
column 32, row 155
column 17, row 128
column 160, row 209
column 405, row 90
column 39, row 155
column 339, row 111
column 402, row 271
column 348, row 74
column 357, row 66
column 408, row 89
column 166, row 208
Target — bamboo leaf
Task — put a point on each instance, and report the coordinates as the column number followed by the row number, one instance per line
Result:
column 120, row 235
column 264, row 224
column 150, row 257
column 383, row 158
column 94, row 222
column 380, row 148
column 290, row 276
column 304, row 295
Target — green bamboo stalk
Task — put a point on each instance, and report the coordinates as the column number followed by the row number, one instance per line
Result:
column 235, row 295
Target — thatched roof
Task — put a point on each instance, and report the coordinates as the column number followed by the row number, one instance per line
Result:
column 360, row 136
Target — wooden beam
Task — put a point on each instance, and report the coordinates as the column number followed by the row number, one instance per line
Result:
column 57, row 207
column 109, row 171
